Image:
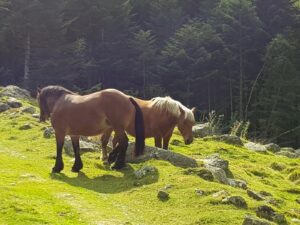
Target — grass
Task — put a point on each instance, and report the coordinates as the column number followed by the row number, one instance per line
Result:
column 30, row 194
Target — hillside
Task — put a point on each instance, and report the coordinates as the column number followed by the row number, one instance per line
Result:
column 30, row 194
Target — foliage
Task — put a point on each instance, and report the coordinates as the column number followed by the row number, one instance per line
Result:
column 204, row 53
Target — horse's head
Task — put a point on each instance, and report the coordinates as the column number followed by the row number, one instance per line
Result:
column 47, row 98
column 42, row 100
column 186, row 123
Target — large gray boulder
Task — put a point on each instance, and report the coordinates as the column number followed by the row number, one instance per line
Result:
column 4, row 107
column 84, row 146
column 15, row 92
column 219, row 168
column 216, row 161
column 14, row 103
column 229, row 139
column 272, row 147
column 157, row 153
column 237, row 201
column 251, row 220
column 201, row 130
column 288, row 154
column 255, row 147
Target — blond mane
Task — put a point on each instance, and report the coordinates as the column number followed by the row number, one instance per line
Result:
column 172, row 106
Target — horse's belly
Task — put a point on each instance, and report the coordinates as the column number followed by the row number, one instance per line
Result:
column 87, row 128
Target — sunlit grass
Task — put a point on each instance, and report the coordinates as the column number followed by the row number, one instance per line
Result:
column 30, row 194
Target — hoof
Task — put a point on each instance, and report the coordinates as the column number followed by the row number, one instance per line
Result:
column 111, row 158
column 118, row 166
column 77, row 168
column 56, row 170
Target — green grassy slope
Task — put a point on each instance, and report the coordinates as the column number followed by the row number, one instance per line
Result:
column 30, row 194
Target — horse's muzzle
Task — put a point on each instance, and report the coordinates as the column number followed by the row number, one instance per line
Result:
column 188, row 141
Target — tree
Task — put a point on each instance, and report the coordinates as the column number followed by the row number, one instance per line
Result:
column 189, row 58
column 278, row 108
column 243, row 37
column 144, row 59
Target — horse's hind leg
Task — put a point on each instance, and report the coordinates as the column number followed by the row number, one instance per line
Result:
column 76, row 147
column 122, row 147
column 59, row 165
column 104, row 141
column 157, row 141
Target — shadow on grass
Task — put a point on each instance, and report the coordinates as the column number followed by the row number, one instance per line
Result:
column 108, row 183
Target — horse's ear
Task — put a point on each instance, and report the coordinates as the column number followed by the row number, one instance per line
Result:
column 194, row 110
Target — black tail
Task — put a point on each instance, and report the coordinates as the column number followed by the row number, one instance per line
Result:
column 139, row 129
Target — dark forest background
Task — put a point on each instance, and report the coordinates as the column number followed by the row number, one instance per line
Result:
column 240, row 58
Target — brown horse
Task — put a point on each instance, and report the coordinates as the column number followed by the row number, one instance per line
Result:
column 89, row 115
column 161, row 116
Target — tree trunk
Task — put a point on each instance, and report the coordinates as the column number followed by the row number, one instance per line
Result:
column 241, row 116
column 27, row 61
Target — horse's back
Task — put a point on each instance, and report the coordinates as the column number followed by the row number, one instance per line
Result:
column 94, row 113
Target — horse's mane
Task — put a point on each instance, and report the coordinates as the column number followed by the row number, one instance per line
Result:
column 172, row 106
column 54, row 91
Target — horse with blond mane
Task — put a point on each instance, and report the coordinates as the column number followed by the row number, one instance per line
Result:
column 90, row 115
column 161, row 116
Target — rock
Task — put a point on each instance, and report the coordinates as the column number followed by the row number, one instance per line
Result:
column 255, row 147
column 144, row 171
column 218, row 174
column 278, row 166
column 168, row 186
column 222, row 194
column 3, row 107
column 238, row 201
column 163, row 195
column 201, row 130
column 251, row 220
column 216, row 161
column 157, row 153
column 14, row 103
column 29, row 109
column 237, row 183
column 268, row 213
column 49, row 132
column 288, row 149
column 265, row 212
column 229, row 139
column 297, row 151
column 254, row 195
column 275, row 202
column 288, row 154
column 84, row 146
column 26, row 126
column 37, row 116
column 176, row 142
column 199, row 192
column 272, row 147
column 294, row 220
column 205, row 174
column 15, row 92
column 280, row 219
column 265, row 193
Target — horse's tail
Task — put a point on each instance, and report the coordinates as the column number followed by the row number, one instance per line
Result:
column 139, row 129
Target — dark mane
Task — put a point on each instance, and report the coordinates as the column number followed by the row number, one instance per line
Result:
column 54, row 92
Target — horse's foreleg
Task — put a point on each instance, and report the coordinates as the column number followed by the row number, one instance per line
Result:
column 59, row 165
column 104, row 141
column 158, row 142
column 122, row 148
column 166, row 140
column 76, row 147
